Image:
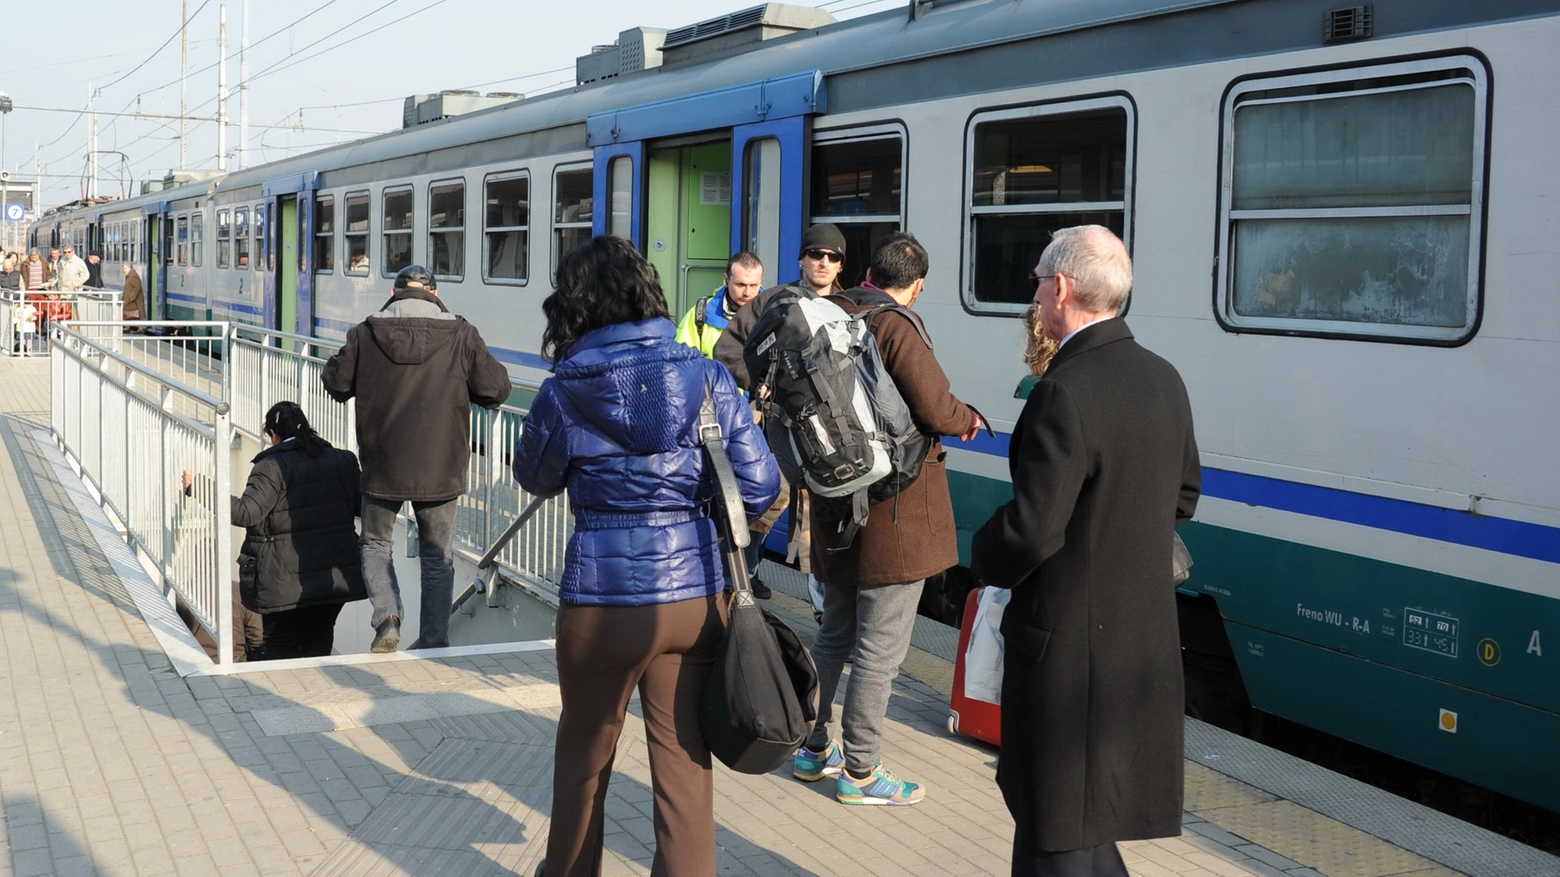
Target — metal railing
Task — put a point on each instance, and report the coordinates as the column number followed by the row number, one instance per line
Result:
column 131, row 431
column 134, row 410
column 39, row 310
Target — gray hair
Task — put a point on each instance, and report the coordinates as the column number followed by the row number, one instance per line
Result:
column 1097, row 262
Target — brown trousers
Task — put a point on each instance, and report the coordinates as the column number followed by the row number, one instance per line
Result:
column 604, row 653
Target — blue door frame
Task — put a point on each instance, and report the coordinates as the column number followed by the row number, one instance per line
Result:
column 792, row 134
column 269, row 244
column 775, row 108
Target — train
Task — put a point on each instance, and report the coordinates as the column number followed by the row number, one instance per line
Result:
column 1346, row 229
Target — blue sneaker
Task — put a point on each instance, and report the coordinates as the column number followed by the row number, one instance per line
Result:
column 811, row 766
column 882, row 787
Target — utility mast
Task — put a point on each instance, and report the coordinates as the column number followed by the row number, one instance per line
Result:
column 222, row 93
column 243, row 86
column 184, row 72
column 92, row 154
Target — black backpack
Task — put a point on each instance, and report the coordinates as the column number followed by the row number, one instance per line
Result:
column 833, row 416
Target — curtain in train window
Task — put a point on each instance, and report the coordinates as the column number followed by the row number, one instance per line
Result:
column 572, row 210
column 197, row 238
column 1033, row 171
column 447, row 230
column 397, row 232
column 355, row 233
column 859, row 186
column 324, row 234
column 1352, row 207
column 506, row 229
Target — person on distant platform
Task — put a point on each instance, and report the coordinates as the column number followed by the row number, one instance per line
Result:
column 132, row 304
column 94, row 270
column 73, row 273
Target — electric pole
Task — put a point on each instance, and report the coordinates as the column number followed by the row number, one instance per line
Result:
column 222, row 89
column 243, row 86
column 184, row 72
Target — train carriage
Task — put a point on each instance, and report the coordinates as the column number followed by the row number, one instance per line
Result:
column 1345, row 233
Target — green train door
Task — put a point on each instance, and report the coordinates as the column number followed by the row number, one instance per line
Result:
column 286, row 225
column 152, row 307
column 688, row 219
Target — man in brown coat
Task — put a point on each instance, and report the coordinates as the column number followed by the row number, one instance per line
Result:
column 875, row 584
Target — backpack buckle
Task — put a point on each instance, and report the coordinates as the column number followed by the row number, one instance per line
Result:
column 709, row 432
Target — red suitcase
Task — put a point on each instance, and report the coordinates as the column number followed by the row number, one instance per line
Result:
column 975, row 718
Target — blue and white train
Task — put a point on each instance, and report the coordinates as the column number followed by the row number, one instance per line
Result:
column 1346, row 229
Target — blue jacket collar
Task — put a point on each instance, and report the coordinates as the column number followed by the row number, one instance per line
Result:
column 642, row 331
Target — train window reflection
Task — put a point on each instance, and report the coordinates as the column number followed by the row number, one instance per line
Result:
column 397, row 233
column 572, row 209
column 324, row 235
column 197, row 238
column 858, row 185
column 1032, row 171
column 224, row 240
column 355, row 232
column 761, row 204
column 181, row 238
column 506, row 238
column 447, row 230
column 1351, row 202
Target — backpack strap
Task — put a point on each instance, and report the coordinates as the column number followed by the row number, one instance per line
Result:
column 914, row 319
column 699, row 320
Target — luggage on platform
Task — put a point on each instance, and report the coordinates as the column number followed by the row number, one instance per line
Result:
column 975, row 708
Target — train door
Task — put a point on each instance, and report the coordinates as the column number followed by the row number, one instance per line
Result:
column 154, row 266
column 286, row 225
column 688, row 218
column 693, row 179
column 289, row 298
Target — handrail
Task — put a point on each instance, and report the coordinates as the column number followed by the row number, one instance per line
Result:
column 63, row 328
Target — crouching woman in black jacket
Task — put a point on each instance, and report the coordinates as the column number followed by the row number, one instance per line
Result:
column 300, row 561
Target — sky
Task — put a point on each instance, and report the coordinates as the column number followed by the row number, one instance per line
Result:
column 321, row 71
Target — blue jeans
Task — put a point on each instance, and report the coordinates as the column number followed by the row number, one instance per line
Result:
column 435, row 541
column 874, row 625
column 754, row 552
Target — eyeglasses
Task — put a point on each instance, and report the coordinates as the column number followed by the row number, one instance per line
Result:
column 1036, row 279
column 821, row 255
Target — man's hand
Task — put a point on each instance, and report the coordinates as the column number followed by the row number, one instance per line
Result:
column 187, row 478
column 973, row 431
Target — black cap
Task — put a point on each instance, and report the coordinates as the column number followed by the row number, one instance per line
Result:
column 415, row 274
column 826, row 235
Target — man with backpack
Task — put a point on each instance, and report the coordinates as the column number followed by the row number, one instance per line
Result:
column 874, row 564
column 701, row 327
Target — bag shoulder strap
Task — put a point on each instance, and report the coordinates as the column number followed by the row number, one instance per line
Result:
column 730, row 517
column 915, row 320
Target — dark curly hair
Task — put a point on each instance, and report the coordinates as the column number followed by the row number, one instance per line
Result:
column 600, row 283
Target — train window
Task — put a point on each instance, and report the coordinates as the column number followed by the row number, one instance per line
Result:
column 181, row 240
column 1033, row 170
column 397, row 230
column 1352, row 202
column 620, row 176
column 197, row 238
column 447, row 230
column 572, row 204
column 761, row 204
column 355, row 232
column 224, row 240
column 241, row 238
column 324, row 234
column 858, row 186
column 506, row 232
column 262, row 243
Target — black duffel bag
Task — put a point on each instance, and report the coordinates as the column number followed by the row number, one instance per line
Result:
column 762, row 695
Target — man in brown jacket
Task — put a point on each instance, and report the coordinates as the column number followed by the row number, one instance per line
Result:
column 875, row 584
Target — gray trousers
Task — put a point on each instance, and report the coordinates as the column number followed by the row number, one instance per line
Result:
column 874, row 624
column 435, row 553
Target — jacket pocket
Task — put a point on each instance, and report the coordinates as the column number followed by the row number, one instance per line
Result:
column 1028, row 640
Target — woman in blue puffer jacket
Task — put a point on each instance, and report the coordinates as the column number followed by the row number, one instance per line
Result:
column 617, row 426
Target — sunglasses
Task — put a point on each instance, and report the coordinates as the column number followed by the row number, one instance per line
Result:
column 1036, row 279
column 821, row 255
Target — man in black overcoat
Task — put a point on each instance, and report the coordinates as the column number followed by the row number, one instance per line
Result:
column 1104, row 466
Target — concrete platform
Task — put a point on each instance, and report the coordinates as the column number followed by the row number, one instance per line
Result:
column 112, row 762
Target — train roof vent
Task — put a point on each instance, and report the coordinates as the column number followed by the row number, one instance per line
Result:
column 1348, row 23
column 731, row 33
column 420, row 109
column 636, row 49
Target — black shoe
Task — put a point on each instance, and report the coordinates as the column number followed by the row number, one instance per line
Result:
column 541, row 868
column 386, row 636
column 760, row 590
